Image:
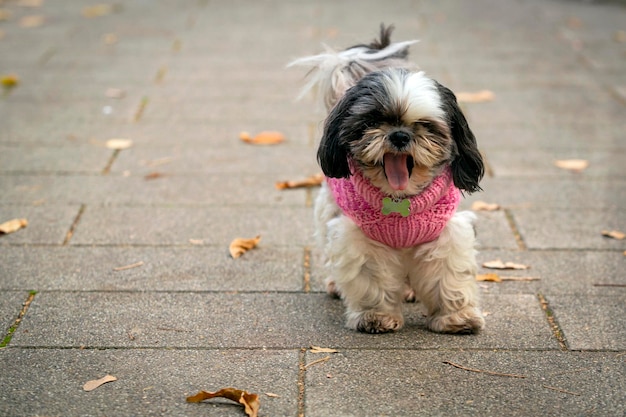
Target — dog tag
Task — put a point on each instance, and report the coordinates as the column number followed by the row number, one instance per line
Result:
column 396, row 206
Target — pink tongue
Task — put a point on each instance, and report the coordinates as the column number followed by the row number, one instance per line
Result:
column 396, row 171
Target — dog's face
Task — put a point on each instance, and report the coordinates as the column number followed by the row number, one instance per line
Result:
column 401, row 129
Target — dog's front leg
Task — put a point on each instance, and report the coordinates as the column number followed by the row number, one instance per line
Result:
column 368, row 277
column 444, row 279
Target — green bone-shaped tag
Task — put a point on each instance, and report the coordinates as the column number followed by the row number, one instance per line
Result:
column 392, row 206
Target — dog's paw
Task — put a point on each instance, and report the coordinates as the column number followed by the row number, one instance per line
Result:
column 332, row 290
column 409, row 295
column 468, row 320
column 374, row 322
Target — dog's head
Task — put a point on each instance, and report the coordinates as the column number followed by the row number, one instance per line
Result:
column 401, row 129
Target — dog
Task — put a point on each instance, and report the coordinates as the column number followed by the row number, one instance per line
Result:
column 396, row 152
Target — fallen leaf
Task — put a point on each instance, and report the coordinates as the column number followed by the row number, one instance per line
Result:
column 30, row 3
column 488, row 277
column 614, row 234
column 272, row 395
column 312, row 181
column 263, row 138
column 119, row 144
column 92, row 385
column 12, row 226
column 5, row 14
column 239, row 246
column 153, row 176
column 32, row 21
column 249, row 401
column 9, row 81
column 115, row 93
column 196, row 241
column 317, row 349
column 475, row 97
column 324, row 359
column 97, row 10
column 482, row 206
column 576, row 165
column 498, row 264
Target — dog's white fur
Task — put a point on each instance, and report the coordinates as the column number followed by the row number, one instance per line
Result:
column 371, row 277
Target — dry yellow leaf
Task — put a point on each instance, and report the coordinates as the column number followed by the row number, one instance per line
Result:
column 92, row 385
column 263, row 138
column 12, row 226
column 614, row 234
column 9, row 80
column 119, row 144
column 498, row 264
column 312, row 181
column 97, row 10
column 482, row 206
column 249, row 401
column 488, row 277
column 239, row 246
column 576, row 165
column 317, row 349
column 475, row 97
column 32, row 21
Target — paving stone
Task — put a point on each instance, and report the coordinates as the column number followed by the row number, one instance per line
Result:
column 570, row 228
column 29, row 158
column 149, row 382
column 592, row 322
column 420, row 383
column 254, row 320
column 176, row 225
column 46, row 224
column 187, row 268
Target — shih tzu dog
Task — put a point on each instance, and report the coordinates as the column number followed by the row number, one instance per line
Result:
column 396, row 151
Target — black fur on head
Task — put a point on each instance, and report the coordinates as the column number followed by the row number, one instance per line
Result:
column 467, row 162
column 345, row 125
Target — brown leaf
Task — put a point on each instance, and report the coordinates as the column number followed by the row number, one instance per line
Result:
column 263, row 138
column 488, row 277
column 12, row 226
column 317, row 349
column 97, row 10
column 153, row 176
column 249, row 401
column 475, row 97
column 92, row 385
column 32, row 21
column 482, row 206
column 614, row 234
column 498, row 264
column 239, row 246
column 119, row 144
column 575, row 165
column 312, row 181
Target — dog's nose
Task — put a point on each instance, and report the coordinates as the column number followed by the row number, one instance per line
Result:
column 399, row 138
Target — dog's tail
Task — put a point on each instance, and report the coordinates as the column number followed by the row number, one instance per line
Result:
column 334, row 72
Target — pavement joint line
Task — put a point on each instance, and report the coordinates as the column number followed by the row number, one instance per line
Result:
column 307, row 270
column 13, row 328
column 301, row 381
column 70, row 232
column 513, row 225
column 554, row 326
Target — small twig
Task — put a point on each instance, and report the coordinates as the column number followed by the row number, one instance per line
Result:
column 316, row 362
column 123, row 268
column 456, row 365
column 609, row 285
column 561, row 390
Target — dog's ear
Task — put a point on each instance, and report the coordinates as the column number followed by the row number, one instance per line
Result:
column 467, row 163
column 332, row 153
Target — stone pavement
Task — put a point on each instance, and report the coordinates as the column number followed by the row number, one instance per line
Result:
column 197, row 73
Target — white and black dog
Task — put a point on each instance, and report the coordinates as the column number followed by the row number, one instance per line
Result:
column 396, row 152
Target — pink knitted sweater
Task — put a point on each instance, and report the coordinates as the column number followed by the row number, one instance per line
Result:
column 429, row 211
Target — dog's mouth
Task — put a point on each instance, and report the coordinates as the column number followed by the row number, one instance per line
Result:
column 398, row 167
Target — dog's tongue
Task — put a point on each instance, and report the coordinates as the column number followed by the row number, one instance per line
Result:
column 396, row 170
